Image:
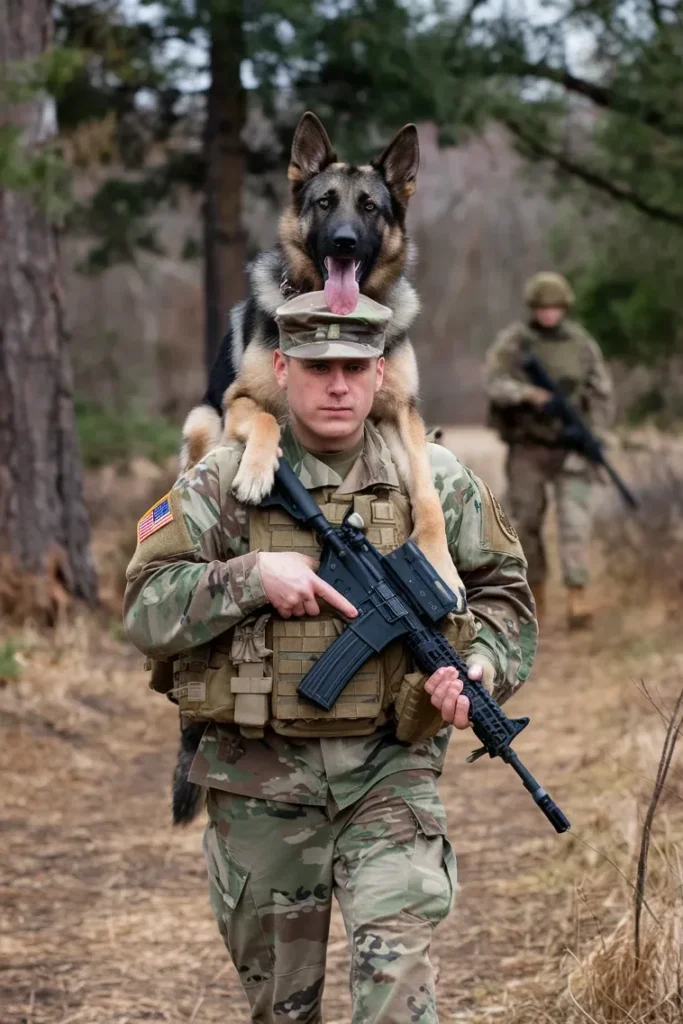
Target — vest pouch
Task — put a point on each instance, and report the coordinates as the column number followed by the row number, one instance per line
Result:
column 201, row 679
column 251, row 683
column 359, row 708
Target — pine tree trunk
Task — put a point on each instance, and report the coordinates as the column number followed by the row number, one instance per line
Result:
column 224, row 237
column 44, row 531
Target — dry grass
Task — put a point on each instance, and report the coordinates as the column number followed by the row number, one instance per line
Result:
column 649, row 542
column 612, row 987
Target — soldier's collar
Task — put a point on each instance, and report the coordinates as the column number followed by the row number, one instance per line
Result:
column 373, row 465
column 558, row 333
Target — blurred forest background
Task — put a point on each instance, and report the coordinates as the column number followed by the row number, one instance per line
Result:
column 150, row 138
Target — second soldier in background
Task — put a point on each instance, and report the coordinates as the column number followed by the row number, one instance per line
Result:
column 537, row 456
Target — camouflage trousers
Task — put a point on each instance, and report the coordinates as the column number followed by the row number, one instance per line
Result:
column 273, row 868
column 531, row 470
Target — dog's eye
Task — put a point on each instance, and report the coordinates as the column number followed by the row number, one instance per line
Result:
column 370, row 206
column 324, row 203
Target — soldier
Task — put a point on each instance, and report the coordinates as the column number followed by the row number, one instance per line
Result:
column 304, row 803
column 536, row 454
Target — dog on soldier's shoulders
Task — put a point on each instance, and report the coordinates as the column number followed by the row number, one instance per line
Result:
column 342, row 232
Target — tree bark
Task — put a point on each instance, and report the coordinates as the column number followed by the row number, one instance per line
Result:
column 224, row 236
column 44, row 530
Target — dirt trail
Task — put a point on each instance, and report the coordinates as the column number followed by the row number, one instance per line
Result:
column 106, row 916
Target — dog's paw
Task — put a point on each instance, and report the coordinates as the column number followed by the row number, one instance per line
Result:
column 255, row 478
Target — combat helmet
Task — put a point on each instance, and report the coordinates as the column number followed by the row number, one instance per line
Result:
column 548, row 289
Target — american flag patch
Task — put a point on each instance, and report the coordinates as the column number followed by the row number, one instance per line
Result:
column 158, row 516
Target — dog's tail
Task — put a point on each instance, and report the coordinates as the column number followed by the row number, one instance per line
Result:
column 188, row 797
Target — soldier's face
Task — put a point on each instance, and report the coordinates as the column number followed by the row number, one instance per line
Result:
column 549, row 316
column 329, row 399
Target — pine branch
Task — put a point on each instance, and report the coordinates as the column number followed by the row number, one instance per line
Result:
column 593, row 178
column 602, row 96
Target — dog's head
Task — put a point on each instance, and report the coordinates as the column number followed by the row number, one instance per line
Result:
column 345, row 228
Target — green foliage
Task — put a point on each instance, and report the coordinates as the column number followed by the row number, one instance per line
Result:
column 614, row 118
column 10, row 666
column 41, row 173
column 629, row 289
column 108, row 437
column 120, row 58
column 26, row 164
column 51, row 72
column 365, row 67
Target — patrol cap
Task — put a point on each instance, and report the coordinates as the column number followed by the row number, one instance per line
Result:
column 309, row 330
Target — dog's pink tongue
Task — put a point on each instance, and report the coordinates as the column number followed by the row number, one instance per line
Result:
column 341, row 287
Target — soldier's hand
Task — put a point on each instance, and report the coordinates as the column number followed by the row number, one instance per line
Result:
column 445, row 689
column 292, row 586
column 538, row 396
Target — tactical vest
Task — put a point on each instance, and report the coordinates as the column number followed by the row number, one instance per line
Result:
column 249, row 675
column 566, row 360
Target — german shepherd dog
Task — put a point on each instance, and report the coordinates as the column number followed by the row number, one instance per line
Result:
column 343, row 232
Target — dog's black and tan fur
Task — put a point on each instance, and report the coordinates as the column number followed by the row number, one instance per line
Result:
column 340, row 211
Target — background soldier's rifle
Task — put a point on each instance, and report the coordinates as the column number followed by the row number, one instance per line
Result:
column 576, row 436
column 399, row 595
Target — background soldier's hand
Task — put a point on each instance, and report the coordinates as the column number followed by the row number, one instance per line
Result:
column 538, row 396
column 444, row 687
column 292, row 586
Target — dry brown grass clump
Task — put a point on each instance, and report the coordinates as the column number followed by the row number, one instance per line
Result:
column 612, row 987
column 32, row 597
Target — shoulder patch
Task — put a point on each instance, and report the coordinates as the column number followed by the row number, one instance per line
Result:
column 156, row 517
column 503, row 521
column 498, row 533
column 157, row 544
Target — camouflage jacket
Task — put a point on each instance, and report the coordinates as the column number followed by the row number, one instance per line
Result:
column 571, row 357
column 195, row 578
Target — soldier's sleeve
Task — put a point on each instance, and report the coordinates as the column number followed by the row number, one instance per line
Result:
column 191, row 577
column 599, row 391
column 487, row 553
column 504, row 380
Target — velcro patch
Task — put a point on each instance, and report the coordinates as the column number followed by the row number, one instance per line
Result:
column 503, row 521
column 159, row 515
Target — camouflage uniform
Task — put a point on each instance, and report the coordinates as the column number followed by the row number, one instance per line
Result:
column 292, row 821
column 535, row 461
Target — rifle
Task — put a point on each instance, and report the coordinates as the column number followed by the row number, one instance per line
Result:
column 580, row 439
column 399, row 595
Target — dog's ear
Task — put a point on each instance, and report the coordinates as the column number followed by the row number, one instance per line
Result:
column 311, row 150
column 399, row 162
